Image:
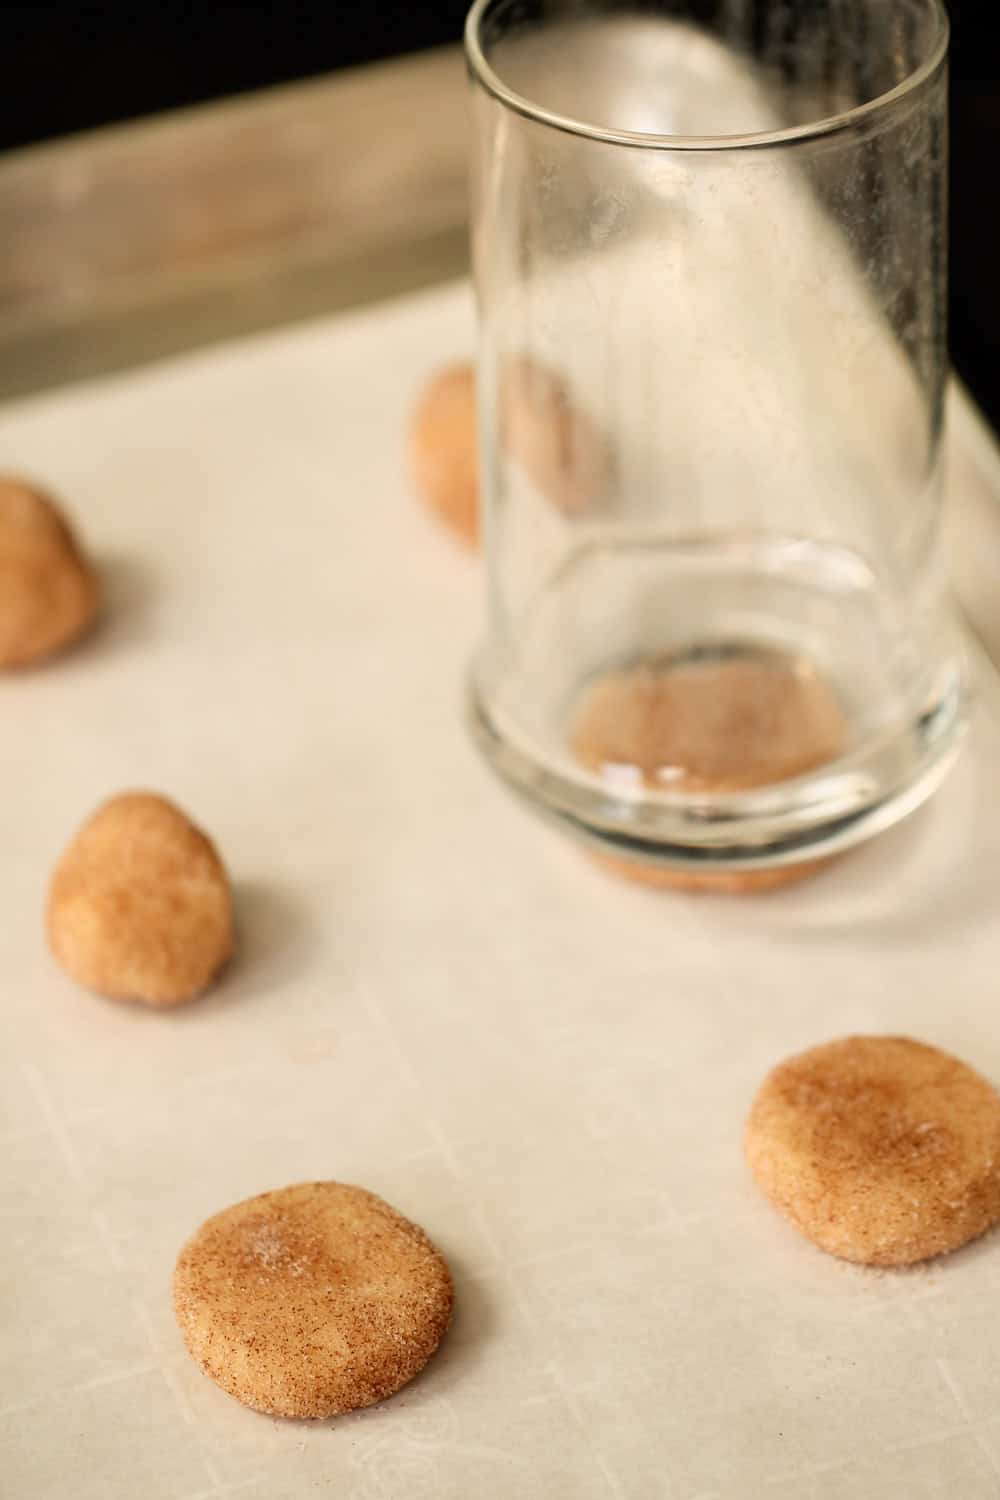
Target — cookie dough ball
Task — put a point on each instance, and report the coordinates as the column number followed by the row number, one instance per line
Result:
column 444, row 450
column 542, row 429
column 879, row 1149
column 49, row 594
column 725, row 882
column 139, row 905
column 312, row 1300
column 546, row 431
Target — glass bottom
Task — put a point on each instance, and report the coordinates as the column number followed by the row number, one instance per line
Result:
column 721, row 703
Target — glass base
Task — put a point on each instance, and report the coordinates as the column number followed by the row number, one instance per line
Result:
column 807, row 818
column 773, row 712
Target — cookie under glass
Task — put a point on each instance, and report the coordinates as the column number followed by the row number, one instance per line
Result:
column 710, row 265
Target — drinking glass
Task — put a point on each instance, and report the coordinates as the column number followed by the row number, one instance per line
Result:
column 709, row 248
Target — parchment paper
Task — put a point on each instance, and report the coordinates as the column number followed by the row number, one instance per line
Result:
column 439, row 998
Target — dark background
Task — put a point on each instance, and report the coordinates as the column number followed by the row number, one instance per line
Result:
column 67, row 65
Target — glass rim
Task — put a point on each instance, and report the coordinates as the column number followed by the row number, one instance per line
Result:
column 484, row 74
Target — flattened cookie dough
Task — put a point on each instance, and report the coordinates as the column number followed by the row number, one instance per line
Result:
column 879, row 1149
column 723, row 882
column 139, row 904
column 724, row 724
column 49, row 594
column 312, row 1300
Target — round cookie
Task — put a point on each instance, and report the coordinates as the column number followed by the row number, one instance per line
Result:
column 139, row 904
column 49, row 594
column 881, row 1150
column 312, row 1300
column 444, row 450
column 720, row 725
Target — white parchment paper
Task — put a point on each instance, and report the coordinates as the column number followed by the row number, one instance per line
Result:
column 438, row 998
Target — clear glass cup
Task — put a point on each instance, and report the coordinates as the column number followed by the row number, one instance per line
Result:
column 709, row 247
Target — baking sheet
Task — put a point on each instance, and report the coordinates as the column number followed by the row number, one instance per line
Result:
column 438, row 998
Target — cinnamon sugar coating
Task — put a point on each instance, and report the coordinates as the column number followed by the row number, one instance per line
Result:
column 721, row 725
column 49, row 593
column 881, row 1150
column 139, row 904
column 312, row 1300
column 725, row 724
column 722, row 882
column 444, row 450
column 541, row 428
column 546, row 431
